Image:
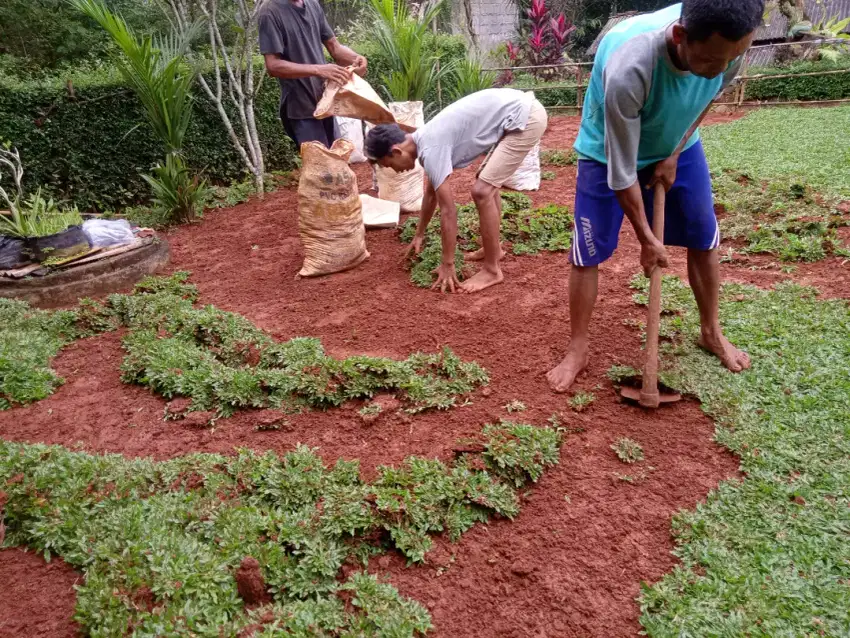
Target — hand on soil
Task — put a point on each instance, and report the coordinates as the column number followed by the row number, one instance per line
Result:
column 562, row 377
column 446, row 278
column 653, row 256
column 415, row 247
column 734, row 359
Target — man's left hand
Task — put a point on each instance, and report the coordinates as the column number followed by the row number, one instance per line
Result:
column 360, row 66
column 665, row 173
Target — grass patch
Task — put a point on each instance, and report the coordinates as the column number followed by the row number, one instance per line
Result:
column 29, row 339
column 781, row 218
column 559, row 157
column 526, row 230
column 766, row 556
column 547, row 176
column 161, row 543
column 788, row 145
column 219, row 360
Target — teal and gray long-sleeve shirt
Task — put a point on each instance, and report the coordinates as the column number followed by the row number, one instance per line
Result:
column 639, row 106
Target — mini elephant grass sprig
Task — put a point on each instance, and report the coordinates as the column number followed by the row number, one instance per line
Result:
column 164, row 544
column 219, row 360
column 222, row 362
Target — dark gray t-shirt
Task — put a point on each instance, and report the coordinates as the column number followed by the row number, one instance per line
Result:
column 296, row 35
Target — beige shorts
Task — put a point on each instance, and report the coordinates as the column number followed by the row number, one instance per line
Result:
column 509, row 153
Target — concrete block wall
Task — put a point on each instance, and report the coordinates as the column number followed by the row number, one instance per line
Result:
column 493, row 22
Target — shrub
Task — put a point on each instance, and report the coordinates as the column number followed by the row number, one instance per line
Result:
column 823, row 87
column 89, row 143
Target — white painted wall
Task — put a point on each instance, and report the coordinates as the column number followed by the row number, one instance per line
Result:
column 493, row 22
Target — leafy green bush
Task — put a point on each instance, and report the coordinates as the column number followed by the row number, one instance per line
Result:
column 92, row 148
column 161, row 542
column 823, row 87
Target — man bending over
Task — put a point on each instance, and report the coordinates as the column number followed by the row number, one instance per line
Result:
column 653, row 81
column 511, row 120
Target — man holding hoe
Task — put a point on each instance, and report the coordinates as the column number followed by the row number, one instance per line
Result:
column 653, row 81
column 292, row 33
column 510, row 120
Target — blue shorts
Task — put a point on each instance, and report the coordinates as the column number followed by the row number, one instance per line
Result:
column 689, row 218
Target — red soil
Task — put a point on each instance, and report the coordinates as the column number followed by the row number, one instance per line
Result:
column 572, row 561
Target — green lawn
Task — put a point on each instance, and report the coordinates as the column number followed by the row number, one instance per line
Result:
column 809, row 145
column 769, row 555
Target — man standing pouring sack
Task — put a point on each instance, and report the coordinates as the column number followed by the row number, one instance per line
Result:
column 510, row 120
column 292, row 33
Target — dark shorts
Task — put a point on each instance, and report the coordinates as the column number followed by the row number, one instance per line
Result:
column 689, row 219
column 311, row 130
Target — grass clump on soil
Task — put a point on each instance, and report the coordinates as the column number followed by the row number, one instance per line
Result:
column 558, row 157
column 766, row 555
column 526, row 229
column 220, row 360
column 29, row 339
column 208, row 545
column 784, row 219
column 581, row 400
column 627, row 450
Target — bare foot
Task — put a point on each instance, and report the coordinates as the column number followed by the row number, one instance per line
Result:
column 718, row 345
column 481, row 280
column 478, row 255
column 562, row 377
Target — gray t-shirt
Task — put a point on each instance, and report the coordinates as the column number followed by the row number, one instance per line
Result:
column 468, row 128
column 296, row 34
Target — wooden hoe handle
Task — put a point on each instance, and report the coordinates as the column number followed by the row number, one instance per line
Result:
column 649, row 396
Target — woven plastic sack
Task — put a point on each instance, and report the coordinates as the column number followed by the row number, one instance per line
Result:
column 527, row 176
column 352, row 130
column 405, row 188
column 330, row 217
column 356, row 98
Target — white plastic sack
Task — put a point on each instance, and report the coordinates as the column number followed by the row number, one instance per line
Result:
column 352, row 130
column 379, row 213
column 108, row 232
column 408, row 188
column 527, row 176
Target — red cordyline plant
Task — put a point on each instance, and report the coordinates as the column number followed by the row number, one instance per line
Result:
column 547, row 40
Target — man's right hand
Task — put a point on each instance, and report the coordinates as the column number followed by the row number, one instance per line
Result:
column 446, row 278
column 415, row 247
column 653, row 255
column 333, row 73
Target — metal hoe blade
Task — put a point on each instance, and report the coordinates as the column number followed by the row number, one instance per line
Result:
column 649, row 400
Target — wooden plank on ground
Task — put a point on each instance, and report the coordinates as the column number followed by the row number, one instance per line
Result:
column 18, row 273
column 119, row 250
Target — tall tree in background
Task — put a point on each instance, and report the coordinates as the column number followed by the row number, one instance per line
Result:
column 230, row 59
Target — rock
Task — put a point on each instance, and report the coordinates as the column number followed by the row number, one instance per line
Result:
column 522, row 569
column 178, row 406
column 250, row 582
column 486, row 392
column 198, row 419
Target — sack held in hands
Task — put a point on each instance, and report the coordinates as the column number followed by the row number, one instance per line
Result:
column 330, row 217
column 356, row 98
